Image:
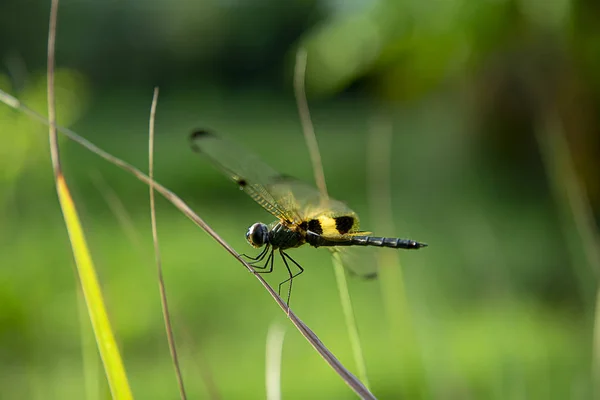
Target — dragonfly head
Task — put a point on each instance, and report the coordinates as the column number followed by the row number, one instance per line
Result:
column 258, row 235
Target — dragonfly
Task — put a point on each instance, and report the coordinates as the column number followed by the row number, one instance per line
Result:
column 304, row 215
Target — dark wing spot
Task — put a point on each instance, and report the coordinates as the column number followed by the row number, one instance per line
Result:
column 196, row 135
column 240, row 181
column 303, row 225
column 315, row 226
column 344, row 224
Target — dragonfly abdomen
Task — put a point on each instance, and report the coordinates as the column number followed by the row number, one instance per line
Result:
column 393, row 243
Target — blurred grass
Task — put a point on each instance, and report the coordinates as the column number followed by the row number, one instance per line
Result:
column 487, row 315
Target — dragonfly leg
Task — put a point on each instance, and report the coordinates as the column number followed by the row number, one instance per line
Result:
column 292, row 276
column 269, row 264
column 258, row 257
column 258, row 260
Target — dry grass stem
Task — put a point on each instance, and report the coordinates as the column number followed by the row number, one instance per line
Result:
column 314, row 341
column 161, row 282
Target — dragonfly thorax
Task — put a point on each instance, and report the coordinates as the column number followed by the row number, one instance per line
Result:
column 258, row 235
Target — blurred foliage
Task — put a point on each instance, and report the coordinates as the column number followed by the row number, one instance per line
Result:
column 503, row 297
column 21, row 134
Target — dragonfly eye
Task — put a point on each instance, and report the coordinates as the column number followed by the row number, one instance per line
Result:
column 258, row 235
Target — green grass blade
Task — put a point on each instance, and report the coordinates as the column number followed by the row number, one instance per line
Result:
column 107, row 346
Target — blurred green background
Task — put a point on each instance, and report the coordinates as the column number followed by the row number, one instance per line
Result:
column 478, row 94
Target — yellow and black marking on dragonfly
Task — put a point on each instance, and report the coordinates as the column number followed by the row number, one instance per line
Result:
column 304, row 216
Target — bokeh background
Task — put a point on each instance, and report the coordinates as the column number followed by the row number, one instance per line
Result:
column 493, row 109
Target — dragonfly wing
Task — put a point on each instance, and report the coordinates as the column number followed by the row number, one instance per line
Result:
column 362, row 263
column 246, row 169
column 285, row 197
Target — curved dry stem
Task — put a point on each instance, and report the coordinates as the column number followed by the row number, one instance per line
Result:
column 315, row 156
column 161, row 282
column 54, row 152
column 105, row 339
column 314, row 341
column 305, row 120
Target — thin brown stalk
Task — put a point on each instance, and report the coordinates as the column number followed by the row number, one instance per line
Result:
column 307, row 126
column 314, row 341
column 111, row 358
column 315, row 156
column 54, row 153
column 161, row 282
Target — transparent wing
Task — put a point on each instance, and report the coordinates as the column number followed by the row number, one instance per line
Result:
column 362, row 263
column 244, row 168
column 285, row 197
